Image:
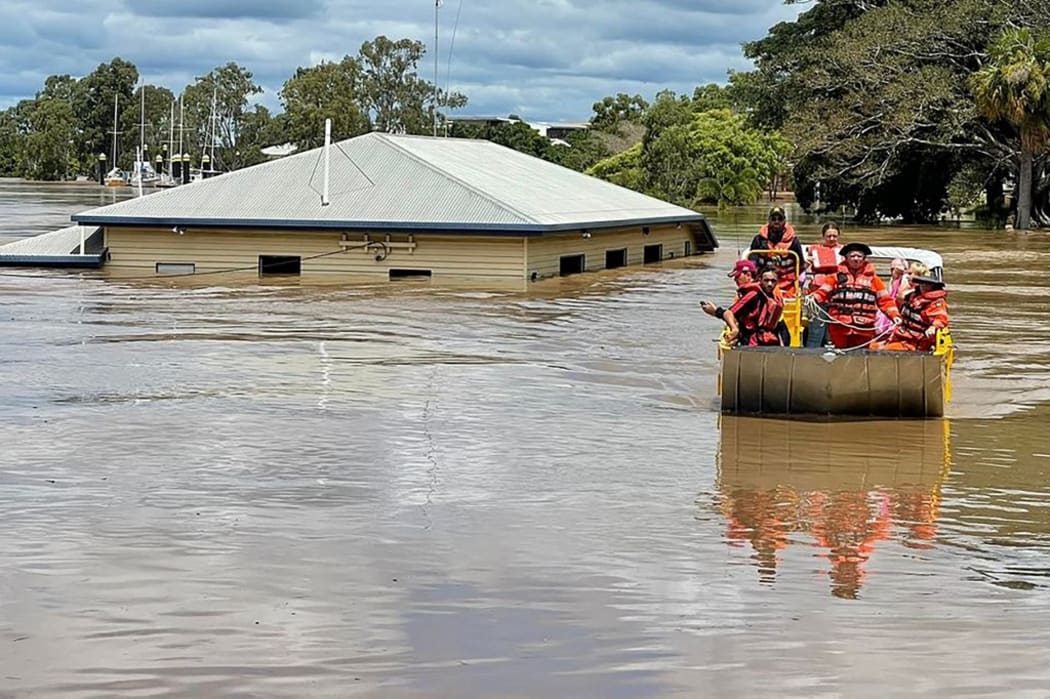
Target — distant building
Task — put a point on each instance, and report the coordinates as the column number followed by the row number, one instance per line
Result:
column 399, row 206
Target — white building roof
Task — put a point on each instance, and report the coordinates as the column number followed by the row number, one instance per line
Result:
column 396, row 182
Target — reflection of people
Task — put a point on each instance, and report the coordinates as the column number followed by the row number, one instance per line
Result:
column 778, row 234
column 853, row 295
column 869, row 492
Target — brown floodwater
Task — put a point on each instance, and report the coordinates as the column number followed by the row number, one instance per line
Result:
column 230, row 488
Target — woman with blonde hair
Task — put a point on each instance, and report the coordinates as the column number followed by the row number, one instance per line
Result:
column 915, row 269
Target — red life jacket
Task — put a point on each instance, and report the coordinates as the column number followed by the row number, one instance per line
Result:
column 785, row 264
column 853, row 300
column 825, row 261
column 759, row 327
column 915, row 320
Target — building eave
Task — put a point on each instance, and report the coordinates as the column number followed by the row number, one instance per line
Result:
column 474, row 228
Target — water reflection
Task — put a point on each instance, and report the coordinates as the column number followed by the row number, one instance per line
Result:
column 840, row 488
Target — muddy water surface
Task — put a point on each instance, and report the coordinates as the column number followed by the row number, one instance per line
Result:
column 235, row 489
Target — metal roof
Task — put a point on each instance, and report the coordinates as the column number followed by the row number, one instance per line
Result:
column 381, row 180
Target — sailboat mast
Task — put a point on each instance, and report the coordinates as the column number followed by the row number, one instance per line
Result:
column 171, row 134
column 116, row 96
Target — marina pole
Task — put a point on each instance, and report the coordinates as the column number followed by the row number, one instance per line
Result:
column 437, row 6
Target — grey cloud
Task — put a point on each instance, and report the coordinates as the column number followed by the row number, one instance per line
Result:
column 547, row 59
column 274, row 10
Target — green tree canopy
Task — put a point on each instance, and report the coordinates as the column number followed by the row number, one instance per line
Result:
column 325, row 91
column 1014, row 86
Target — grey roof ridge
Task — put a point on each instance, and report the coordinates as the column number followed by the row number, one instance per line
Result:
column 387, row 139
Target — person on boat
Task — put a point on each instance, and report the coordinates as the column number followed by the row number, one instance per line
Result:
column 923, row 313
column 915, row 269
column 898, row 268
column 778, row 234
column 743, row 273
column 755, row 317
column 853, row 295
column 823, row 259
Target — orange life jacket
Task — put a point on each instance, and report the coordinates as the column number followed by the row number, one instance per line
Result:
column 786, row 265
column 917, row 315
column 825, row 260
column 854, row 300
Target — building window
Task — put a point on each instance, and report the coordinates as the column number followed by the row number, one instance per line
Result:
column 688, row 248
column 280, row 264
column 410, row 274
column 572, row 264
column 615, row 258
column 652, row 253
column 176, row 268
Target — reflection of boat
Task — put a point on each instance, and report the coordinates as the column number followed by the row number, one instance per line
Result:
column 855, row 381
column 842, row 487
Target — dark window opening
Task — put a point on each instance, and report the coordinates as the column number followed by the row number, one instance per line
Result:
column 572, row 264
column 410, row 274
column 615, row 258
column 688, row 248
column 652, row 253
column 280, row 264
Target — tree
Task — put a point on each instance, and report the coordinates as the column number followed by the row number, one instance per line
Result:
column 610, row 113
column 325, row 91
column 624, row 169
column 215, row 107
column 47, row 149
column 396, row 99
column 93, row 107
column 1015, row 87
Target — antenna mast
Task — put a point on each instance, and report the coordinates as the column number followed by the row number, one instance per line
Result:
column 437, row 5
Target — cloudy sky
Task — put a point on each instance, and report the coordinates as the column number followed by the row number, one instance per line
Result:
column 547, row 60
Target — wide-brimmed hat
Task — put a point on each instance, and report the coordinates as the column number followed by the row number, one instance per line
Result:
column 936, row 283
column 742, row 266
column 855, row 247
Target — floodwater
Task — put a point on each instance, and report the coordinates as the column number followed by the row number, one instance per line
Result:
column 279, row 490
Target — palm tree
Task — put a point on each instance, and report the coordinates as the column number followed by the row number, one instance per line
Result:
column 1015, row 87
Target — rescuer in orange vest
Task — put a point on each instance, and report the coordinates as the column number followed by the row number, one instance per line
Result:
column 853, row 295
column 778, row 234
column 923, row 312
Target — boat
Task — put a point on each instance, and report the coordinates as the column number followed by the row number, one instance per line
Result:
column 142, row 173
column 115, row 177
column 796, row 380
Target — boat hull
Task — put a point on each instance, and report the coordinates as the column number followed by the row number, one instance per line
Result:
column 805, row 381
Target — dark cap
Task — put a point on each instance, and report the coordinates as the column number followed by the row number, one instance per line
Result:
column 742, row 266
column 855, row 247
column 777, row 212
column 936, row 283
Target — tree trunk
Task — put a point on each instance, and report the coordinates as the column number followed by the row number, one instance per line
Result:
column 993, row 193
column 1024, row 189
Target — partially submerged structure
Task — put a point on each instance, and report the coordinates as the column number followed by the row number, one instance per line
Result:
column 383, row 206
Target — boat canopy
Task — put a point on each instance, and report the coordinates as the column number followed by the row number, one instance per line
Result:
column 933, row 261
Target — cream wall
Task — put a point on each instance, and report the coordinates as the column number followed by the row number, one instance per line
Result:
column 496, row 258
column 544, row 254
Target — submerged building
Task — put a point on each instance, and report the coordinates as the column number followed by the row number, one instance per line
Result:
column 384, row 206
